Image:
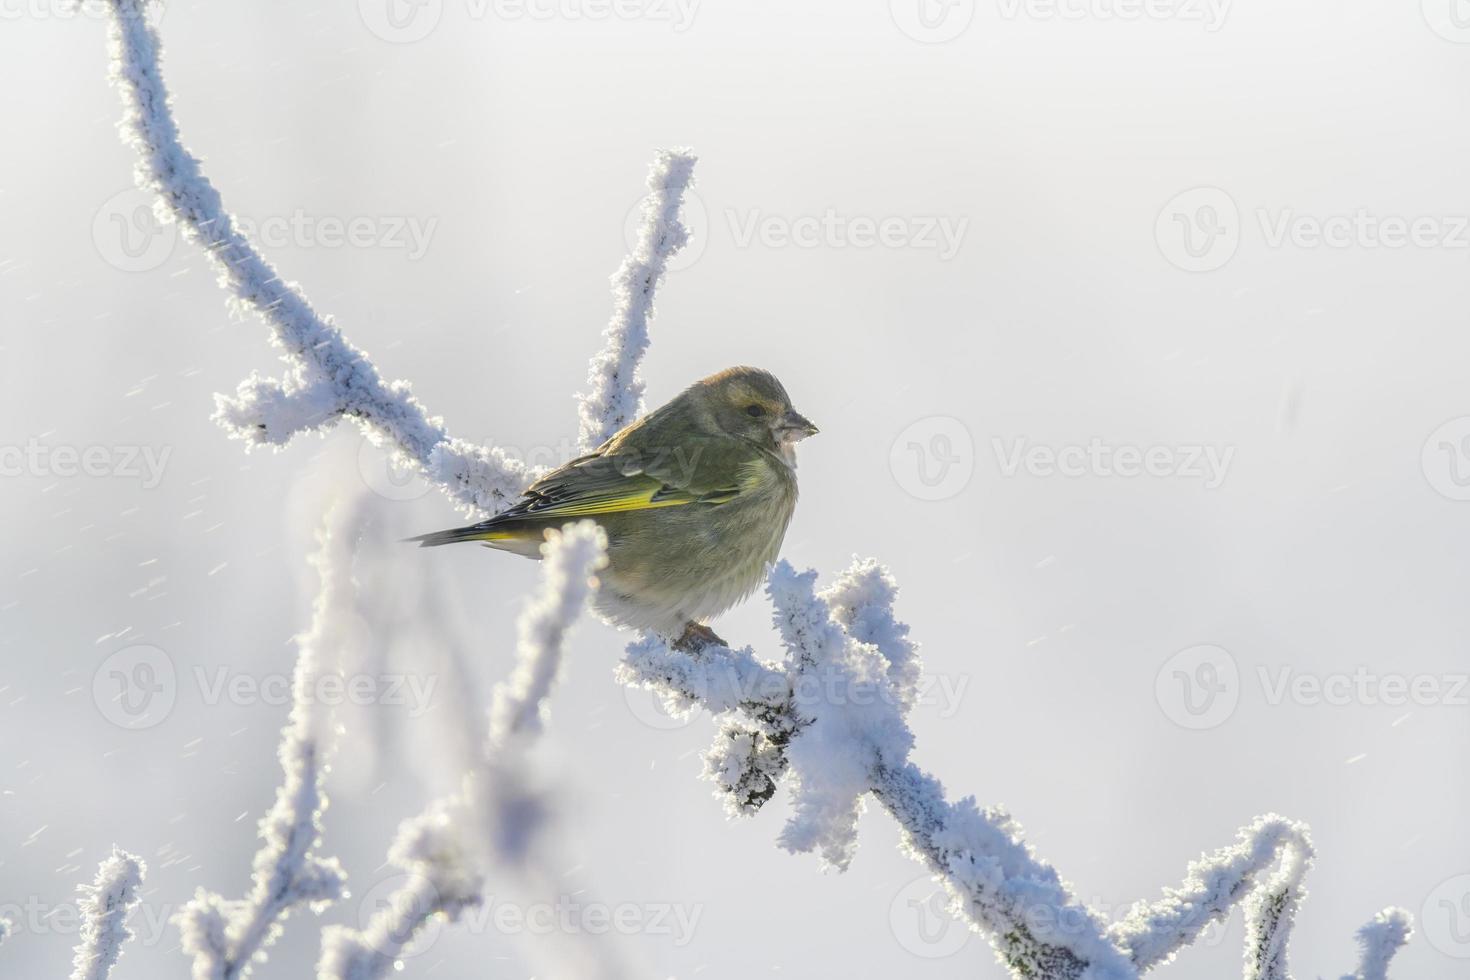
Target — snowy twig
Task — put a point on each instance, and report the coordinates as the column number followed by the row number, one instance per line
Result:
column 1379, row 940
column 327, row 378
column 837, row 722
column 1153, row 932
column 615, row 392
column 448, row 850
column 570, row 558
column 224, row 937
column 104, row 910
column 836, row 749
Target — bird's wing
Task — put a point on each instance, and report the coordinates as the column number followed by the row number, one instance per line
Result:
column 626, row 478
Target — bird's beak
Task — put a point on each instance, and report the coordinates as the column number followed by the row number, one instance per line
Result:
column 795, row 427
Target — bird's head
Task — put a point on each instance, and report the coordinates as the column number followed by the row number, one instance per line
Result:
column 751, row 404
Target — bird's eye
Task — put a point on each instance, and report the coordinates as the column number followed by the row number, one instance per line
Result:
column 754, row 411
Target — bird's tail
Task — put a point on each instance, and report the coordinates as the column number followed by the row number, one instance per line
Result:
column 493, row 533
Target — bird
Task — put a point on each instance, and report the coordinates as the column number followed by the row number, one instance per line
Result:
column 694, row 497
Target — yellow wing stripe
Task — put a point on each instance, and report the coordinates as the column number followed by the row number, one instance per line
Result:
column 613, row 505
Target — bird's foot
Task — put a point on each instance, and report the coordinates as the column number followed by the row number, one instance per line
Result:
column 697, row 637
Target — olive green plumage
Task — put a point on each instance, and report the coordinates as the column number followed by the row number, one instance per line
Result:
column 694, row 497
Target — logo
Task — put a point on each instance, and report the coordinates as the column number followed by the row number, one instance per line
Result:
column 129, row 235
column 932, row 21
column 1445, row 917
column 1450, row 19
column 385, row 477
column 1199, row 230
column 401, row 21
column 934, row 458
column 651, row 708
column 922, row 923
column 1199, row 687
column 693, row 216
column 408, row 900
column 1445, row 459
column 136, row 687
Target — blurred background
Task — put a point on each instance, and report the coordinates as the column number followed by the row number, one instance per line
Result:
column 1136, row 334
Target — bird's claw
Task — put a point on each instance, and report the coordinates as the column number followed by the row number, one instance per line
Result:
column 697, row 637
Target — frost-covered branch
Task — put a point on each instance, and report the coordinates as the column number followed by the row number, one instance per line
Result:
column 104, row 907
column 327, row 378
column 570, row 559
column 1153, row 932
column 1379, row 940
column 614, row 394
column 836, row 727
column 448, row 850
column 831, row 720
column 226, row 937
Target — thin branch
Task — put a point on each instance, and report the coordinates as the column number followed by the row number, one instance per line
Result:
column 223, row 937
column 327, row 378
column 448, row 850
column 104, row 910
column 570, row 560
column 1379, row 940
column 614, row 395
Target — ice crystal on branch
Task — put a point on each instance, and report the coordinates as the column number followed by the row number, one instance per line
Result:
column 104, row 911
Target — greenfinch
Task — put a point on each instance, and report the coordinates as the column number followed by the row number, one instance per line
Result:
column 694, row 497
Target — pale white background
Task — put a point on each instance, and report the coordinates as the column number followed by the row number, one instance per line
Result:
column 1052, row 602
